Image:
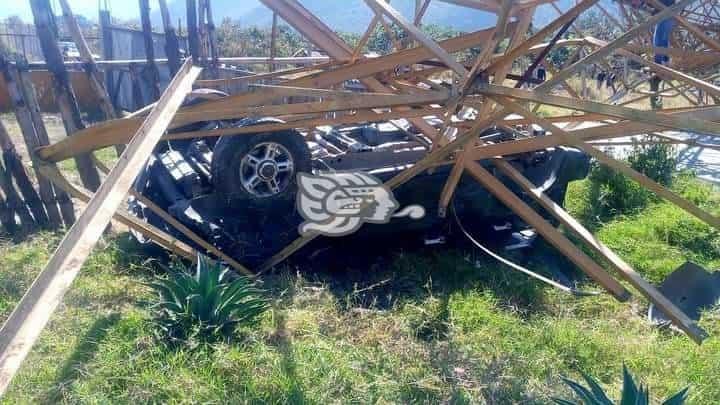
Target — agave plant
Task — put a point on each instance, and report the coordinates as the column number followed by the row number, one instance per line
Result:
column 632, row 393
column 206, row 305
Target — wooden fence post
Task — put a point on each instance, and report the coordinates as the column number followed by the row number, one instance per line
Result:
column 28, row 319
column 107, row 51
column 14, row 202
column 15, row 168
column 93, row 74
column 273, row 42
column 192, row 30
column 152, row 74
column 203, row 38
column 25, row 107
column 67, row 210
column 172, row 44
column 47, row 34
column 86, row 56
column 212, row 40
column 7, row 218
column 135, row 80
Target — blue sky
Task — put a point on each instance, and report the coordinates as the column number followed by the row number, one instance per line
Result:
column 128, row 9
column 125, row 9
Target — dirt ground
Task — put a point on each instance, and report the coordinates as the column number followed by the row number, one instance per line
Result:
column 53, row 123
column 56, row 132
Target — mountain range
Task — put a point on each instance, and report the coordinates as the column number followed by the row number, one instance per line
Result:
column 341, row 15
column 354, row 15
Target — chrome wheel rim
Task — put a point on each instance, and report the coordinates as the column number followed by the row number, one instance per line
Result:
column 267, row 169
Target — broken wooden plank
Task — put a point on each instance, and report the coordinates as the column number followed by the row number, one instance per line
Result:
column 679, row 318
column 604, row 159
column 544, row 228
column 94, row 76
column 311, row 27
column 172, row 221
column 26, row 322
column 621, row 41
column 15, row 167
column 27, row 113
column 420, row 36
column 683, row 123
column 164, row 240
column 47, row 33
column 421, row 7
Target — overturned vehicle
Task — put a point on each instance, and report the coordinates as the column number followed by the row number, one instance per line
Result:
column 239, row 192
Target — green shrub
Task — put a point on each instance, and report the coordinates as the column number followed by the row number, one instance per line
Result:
column 205, row 306
column 613, row 193
column 632, row 394
column 657, row 161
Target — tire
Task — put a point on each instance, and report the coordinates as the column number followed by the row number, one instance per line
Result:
column 231, row 157
column 196, row 97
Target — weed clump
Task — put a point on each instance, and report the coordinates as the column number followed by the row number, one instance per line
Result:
column 429, row 321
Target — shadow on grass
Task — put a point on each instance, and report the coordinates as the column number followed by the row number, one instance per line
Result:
column 282, row 340
column 370, row 275
column 17, row 235
column 130, row 254
column 72, row 369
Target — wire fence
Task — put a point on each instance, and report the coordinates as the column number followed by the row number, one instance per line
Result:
column 20, row 39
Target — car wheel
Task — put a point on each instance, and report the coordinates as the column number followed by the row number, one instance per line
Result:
column 261, row 166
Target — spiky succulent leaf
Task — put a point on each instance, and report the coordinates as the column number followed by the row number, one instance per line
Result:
column 205, row 303
column 583, row 393
column 630, row 392
column 644, row 397
column 677, row 399
column 597, row 390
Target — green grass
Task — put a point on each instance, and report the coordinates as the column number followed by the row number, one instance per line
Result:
column 422, row 328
